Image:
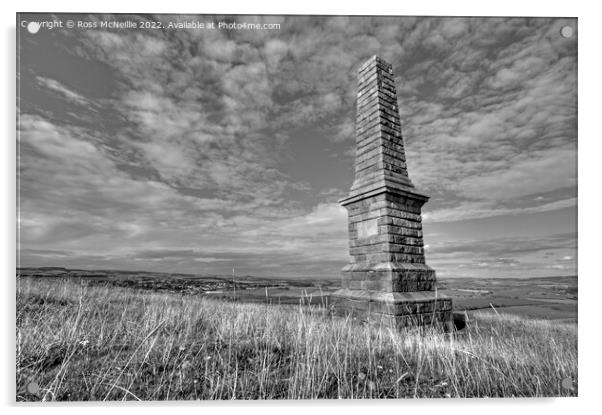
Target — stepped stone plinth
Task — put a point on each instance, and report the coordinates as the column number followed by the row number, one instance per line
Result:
column 387, row 277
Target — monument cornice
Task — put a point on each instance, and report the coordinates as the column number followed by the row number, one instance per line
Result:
column 383, row 189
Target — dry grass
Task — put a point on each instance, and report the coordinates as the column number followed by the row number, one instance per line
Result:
column 108, row 343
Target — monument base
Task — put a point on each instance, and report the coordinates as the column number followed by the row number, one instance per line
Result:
column 389, row 277
column 398, row 309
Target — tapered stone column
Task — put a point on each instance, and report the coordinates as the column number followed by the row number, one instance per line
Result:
column 387, row 277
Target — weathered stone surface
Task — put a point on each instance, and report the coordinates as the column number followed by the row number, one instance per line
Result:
column 397, row 309
column 387, row 277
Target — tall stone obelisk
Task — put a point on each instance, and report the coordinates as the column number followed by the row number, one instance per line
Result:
column 387, row 277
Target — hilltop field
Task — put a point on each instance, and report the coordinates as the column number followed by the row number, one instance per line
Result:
column 108, row 335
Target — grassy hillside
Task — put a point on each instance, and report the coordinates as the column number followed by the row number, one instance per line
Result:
column 110, row 343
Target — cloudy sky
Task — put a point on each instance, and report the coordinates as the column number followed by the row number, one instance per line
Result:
column 204, row 150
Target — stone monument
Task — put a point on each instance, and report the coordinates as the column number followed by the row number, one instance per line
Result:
column 387, row 278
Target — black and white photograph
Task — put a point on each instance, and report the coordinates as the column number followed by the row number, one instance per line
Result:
column 295, row 207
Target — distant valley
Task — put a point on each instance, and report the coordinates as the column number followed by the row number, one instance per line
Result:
column 553, row 298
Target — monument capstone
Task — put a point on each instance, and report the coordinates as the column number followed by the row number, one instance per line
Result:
column 387, row 277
